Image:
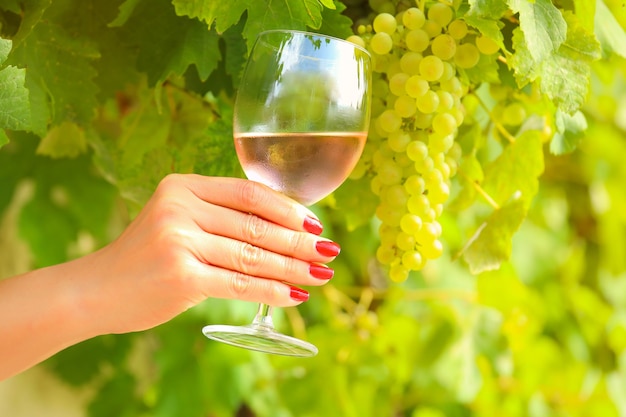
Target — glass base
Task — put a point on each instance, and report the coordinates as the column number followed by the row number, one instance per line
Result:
column 261, row 339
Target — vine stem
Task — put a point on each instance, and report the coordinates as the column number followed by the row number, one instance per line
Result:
column 507, row 135
column 339, row 298
column 297, row 322
column 480, row 190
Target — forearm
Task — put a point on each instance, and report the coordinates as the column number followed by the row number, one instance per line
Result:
column 40, row 315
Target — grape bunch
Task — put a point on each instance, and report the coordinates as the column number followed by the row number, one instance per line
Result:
column 419, row 56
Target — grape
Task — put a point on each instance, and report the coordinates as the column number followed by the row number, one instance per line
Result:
column 417, row 40
column 410, row 61
column 381, row 43
column 440, row 143
column 422, row 120
column 405, row 106
column 410, row 223
column 448, row 71
column 418, row 205
column 386, row 23
column 385, row 254
column 432, row 28
column 486, row 45
column 467, row 56
column 413, row 18
column 389, row 172
column 414, row 185
column 416, row 86
column 397, row 83
column 443, row 46
column 457, row 29
column 438, row 192
column 428, row 102
column 417, row 150
column 446, row 101
column 357, row 40
column 440, row 13
column 398, row 141
column 405, row 241
column 444, row 124
column 412, row 260
column 431, row 68
column 514, row 114
column 390, row 121
column 398, row 273
column 432, row 249
column 396, row 195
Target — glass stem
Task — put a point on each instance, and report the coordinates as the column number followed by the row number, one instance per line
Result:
column 263, row 317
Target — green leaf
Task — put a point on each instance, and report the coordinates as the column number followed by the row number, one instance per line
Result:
column 14, row 100
column 608, row 31
column 571, row 130
column 5, row 48
column 543, row 26
column 335, row 22
column 126, row 9
column 64, row 140
column 488, row 27
column 516, row 169
column 491, row 243
column 488, row 9
column 4, row 139
column 194, row 43
column 60, row 75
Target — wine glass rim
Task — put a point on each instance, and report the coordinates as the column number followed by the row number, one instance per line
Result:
column 321, row 35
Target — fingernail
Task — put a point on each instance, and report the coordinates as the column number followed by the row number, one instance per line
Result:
column 327, row 248
column 321, row 271
column 298, row 294
column 312, row 225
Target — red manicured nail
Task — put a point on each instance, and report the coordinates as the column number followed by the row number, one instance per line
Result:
column 298, row 294
column 312, row 225
column 321, row 271
column 327, row 248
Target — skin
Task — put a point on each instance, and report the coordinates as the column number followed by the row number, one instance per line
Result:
column 196, row 238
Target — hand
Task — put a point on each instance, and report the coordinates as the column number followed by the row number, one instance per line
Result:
column 201, row 237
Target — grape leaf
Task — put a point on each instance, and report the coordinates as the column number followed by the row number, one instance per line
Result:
column 335, row 22
column 571, row 130
column 608, row 31
column 4, row 139
column 126, row 9
column 193, row 42
column 32, row 11
column 543, row 26
column 64, row 140
column 491, row 243
column 488, row 27
column 5, row 48
column 488, row 9
column 60, row 74
column 261, row 15
column 14, row 107
column 516, row 169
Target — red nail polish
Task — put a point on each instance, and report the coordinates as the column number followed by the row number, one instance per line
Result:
column 312, row 225
column 298, row 294
column 327, row 248
column 321, row 271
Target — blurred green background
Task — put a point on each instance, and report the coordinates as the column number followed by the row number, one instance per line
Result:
column 121, row 93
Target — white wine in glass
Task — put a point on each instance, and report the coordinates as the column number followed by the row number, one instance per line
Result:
column 300, row 124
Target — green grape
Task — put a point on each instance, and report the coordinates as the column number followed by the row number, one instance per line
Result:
column 410, row 223
column 417, row 40
column 389, row 172
column 405, row 241
column 410, row 62
column 440, row 143
column 405, row 106
column 385, row 22
column 514, row 114
column 458, row 114
column 398, row 273
column 427, row 233
column 380, row 87
column 357, row 40
column 446, row 101
column 390, row 121
column 422, row 120
column 418, row 205
column 417, row 150
column 428, row 102
column 382, row 6
column 486, row 45
column 398, row 141
column 415, row 184
column 381, row 43
column 424, row 165
column 453, row 86
column 396, row 196
column 376, row 185
column 449, row 71
column 412, row 260
column 397, row 84
column 413, row 18
column 431, row 68
column 432, row 28
column 440, row 13
column 389, row 214
column 443, row 46
column 432, row 249
column 444, row 124
column 385, row 254
column 457, row 29
column 467, row 56
column 455, row 152
column 416, row 86
column 438, row 192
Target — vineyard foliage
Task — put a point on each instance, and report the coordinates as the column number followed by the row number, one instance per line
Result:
column 521, row 307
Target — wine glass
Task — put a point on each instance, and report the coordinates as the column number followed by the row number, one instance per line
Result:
column 300, row 123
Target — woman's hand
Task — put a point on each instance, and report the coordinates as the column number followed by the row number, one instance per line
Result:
column 201, row 237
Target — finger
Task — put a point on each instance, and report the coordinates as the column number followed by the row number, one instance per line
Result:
column 262, row 233
column 230, row 284
column 256, row 198
column 252, row 260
